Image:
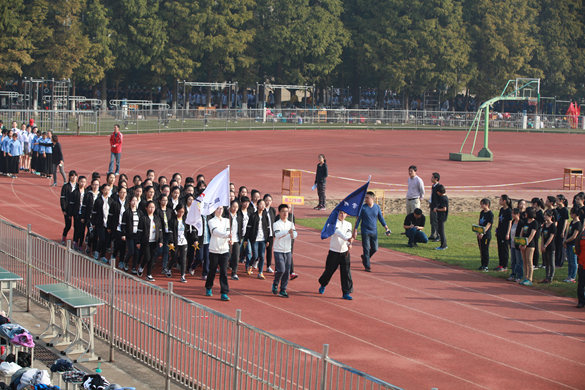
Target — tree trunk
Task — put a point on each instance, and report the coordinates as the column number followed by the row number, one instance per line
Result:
column 104, row 94
column 175, row 95
column 278, row 92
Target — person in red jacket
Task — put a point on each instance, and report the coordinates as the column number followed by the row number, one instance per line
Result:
column 116, row 148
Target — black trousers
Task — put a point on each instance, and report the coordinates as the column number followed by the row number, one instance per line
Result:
column 503, row 251
column 179, row 255
column 581, row 284
column 119, row 246
column 68, row 220
column 78, row 231
column 484, row 250
column 234, row 257
column 269, row 243
column 103, row 240
column 292, row 262
column 342, row 261
column 216, row 259
column 536, row 255
column 148, row 257
column 441, row 232
column 559, row 253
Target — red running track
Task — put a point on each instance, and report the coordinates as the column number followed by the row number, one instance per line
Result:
column 413, row 322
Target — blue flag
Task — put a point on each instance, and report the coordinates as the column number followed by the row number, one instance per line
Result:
column 352, row 205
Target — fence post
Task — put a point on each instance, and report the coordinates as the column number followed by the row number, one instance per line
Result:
column 98, row 122
column 237, row 350
column 324, row 366
column 168, row 337
column 68, row 265
column 111, row 330
column 182, row 118
column 28, row 266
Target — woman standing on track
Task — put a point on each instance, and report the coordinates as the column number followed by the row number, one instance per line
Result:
column 57, row 161
column 529, row 230
column 563, row 214
column 538, row 205
column 321, row 181
column 503, row 232
column 486, row 219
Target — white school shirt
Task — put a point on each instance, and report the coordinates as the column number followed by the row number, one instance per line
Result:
column 282, row 239
column 234, row 222
column 81, row 196
column 181, row 240
column 341, row 236
column 220, row 233
column 106, row 210
column 122, row 209
column 260, row 235
column 152, row 230
column 245, row 222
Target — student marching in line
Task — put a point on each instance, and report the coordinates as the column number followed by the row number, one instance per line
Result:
column 236, row 221
column 244, row 213
column 68, row 203
column 165, row 215
column 78, row 224
column 115, row 217
column 151, row 238
column 503, row 233
column 86, row 210
column 284, row 234
column 562, row 223
column 271, row 215
column 202, row 253
column 338, row 257
column 537, row 204
column 529, row 230
column 517, row 267
column 178, row 242
column 219, row 254
column 257, row 232
column 486, row 219
column 130, row 221
column 573, row 231
column 99, row 219
column 549, row 231
column 191, row 233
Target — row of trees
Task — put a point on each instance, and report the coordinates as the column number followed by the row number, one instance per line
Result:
column 407, row 46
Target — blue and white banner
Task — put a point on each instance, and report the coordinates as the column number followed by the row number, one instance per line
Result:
column 216, row 194
column 352, row 205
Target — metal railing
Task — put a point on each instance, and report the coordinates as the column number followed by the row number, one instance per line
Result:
column 189, row 343
column 163, row 119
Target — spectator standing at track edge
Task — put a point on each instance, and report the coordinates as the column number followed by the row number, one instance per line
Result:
column 369, row 213
column 116, row 140
column 321, row 181
column 435, row 177
column 416, row 190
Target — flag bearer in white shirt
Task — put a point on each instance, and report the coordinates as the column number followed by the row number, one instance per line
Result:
column 219, row 253
column 339, row 257
column 284, row 232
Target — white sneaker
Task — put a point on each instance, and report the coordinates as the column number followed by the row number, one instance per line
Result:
column 149, row 278
column 140, row 271
column 269, row 270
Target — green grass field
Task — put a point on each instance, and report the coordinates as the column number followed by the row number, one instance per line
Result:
column 462, row 251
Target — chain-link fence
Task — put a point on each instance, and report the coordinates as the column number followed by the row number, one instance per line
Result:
column 214, row 119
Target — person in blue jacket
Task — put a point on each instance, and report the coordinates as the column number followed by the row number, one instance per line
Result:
column 14, row 150
column 368, row 215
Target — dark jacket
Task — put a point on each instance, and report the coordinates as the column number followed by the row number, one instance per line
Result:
column 114, row 214
column 144, row 229
column 237, row 224
column 78, row 201
column 57, row 153
column 67, row 202
column 174, row 230
column 128, row 224
column 321, row 174
column 170, row 215
column 87, row 206
column 253, row 224
column 272, row 211
column 97, row 214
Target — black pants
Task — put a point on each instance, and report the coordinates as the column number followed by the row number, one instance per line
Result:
column 132, row 251
column 581, row 284
column 234, row 257
column 216, row 259
column 342, row 261
column 321, row 194
column 78, row 231
column 292, row 262
column 548, row 259
column 148, row 257
column 560, row 253
column 179, row 255
column 103, row 240
column 503, row 251
column 484, row 250
column 536, row 255
column 191, row 239
column 68, row 219
column 269, row 243
column 434, row 225
column 441, row 232
column 93, row 239
column 119, row 246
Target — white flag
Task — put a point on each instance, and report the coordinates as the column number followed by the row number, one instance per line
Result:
column 216, row 194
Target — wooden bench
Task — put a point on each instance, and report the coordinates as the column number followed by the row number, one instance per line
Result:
column 571, row 173
column 70, row 302
column 291, row 174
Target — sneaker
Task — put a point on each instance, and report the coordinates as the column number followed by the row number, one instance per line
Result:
column 440, row 248
column 293, row 276
column 203, row 277
column 410, row 245
column 528, row 283
column 183, row 280
column 274, row 289
column 169, row 274
column 121, row 265
column 235, row 277
column 104, row 260
column 322, row 290
column 126, row 267
column 208, row 292
column 480, row 268
column 317, row 207
column 498, row 268
column 542, row 266
column 347, row 296
column 322, row 208
column 96, row 255
column 164, row 271
column 261, row 276
column 368, row 269
column 255, row 266
column 545, row 281
column 88, row 250
column 140, row 271
column 437, row 240
column 283, row 294
column 570, row 280
column 134, row 272
column 580, row 305
column 192, row 271
column 270, row 270
column 249, row 270
column 224, row 297
column 63, row 241
column 486, row 269
column 511, row 279
column 149, row 278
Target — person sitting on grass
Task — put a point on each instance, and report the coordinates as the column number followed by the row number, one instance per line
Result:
column 414, row 224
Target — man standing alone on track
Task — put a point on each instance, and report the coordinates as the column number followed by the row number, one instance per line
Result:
column 116, row 148
column 368, row 215
column 416, row 190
